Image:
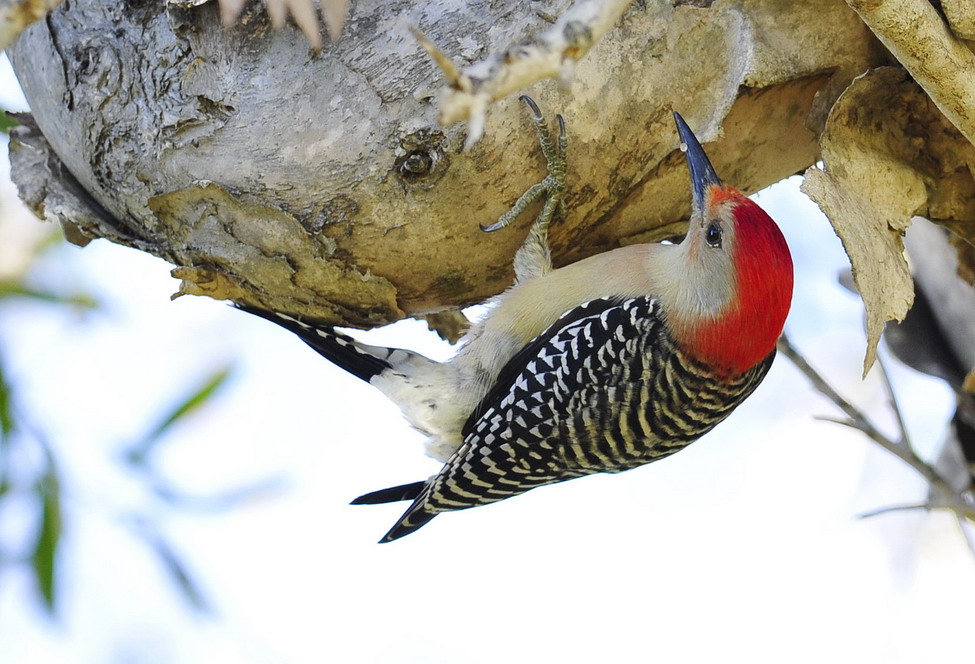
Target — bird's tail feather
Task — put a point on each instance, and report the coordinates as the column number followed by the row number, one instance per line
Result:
column 392, row 494
column 358, row 359
column 415, row 518
column 418, row 515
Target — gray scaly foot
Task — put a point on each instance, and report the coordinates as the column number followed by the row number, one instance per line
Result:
column 533, row 258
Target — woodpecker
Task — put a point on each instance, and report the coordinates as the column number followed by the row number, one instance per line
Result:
column 603, row 365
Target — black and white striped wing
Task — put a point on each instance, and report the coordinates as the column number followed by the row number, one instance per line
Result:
column 564, row 391
column 604, row 389
column 517, row 439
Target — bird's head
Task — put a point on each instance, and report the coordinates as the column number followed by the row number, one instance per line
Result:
column 731, row 279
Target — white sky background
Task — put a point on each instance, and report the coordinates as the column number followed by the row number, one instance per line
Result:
column 745, row 546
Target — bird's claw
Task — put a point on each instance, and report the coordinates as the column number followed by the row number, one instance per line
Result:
column 553, row 186
column 532, row 105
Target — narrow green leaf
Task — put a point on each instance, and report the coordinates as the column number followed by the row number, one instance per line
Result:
column 6, row 122
column 6, row 416
column 53, row 238
column 5, row 479
column 44, row 558
column 17, row 289
column 192, row 402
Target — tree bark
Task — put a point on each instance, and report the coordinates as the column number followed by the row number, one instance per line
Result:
column 322, row 184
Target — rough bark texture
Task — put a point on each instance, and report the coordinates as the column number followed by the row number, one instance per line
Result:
column 923, row 43
column 961, row 17
column 322, row 184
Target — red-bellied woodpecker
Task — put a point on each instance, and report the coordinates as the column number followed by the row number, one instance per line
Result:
column 599, row 366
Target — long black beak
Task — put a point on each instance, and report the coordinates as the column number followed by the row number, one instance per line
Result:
column 702, row 173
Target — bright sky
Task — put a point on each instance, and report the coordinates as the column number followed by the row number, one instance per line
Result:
column 745, row 546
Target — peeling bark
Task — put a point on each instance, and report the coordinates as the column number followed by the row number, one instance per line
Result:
column 918, row 37
column 961, row 17
column 889, row 154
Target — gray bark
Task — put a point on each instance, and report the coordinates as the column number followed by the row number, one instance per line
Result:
column 322, row 184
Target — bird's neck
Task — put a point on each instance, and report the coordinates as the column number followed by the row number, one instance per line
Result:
column 746, row 331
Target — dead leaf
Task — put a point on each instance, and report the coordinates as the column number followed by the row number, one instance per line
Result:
column 969, row 384
column 876, row 174
column 889, row 155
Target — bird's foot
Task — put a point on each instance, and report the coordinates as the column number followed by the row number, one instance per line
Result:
column 552, row 187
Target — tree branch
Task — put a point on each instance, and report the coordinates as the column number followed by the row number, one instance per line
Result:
column 302, row 191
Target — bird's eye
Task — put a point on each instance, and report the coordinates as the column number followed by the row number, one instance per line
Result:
column 713, row 235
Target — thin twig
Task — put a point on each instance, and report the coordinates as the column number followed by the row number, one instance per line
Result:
column 856, row 419
column 894, row 406
column 966, row 533
column 961, row 511
column 948, row 498
column 895, row 508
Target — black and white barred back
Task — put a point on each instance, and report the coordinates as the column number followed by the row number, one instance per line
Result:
column 603, row 389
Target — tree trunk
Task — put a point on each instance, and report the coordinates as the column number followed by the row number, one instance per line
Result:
column 322, row 183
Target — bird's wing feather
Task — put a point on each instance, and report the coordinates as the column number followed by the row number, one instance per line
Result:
column 359, row 359
column 514, row 440
column 519, row 361
column 604, row 389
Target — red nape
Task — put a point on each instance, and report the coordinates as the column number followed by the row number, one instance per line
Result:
column 745, row 334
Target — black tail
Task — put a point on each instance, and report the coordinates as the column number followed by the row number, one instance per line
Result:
column 413, row 519
column 391, row 495
column 340, row 349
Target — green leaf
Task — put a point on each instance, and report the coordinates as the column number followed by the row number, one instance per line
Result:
column 6, row 416
column 44, row 557
column 17, row 289
column 6, row 122
column 198, row 397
